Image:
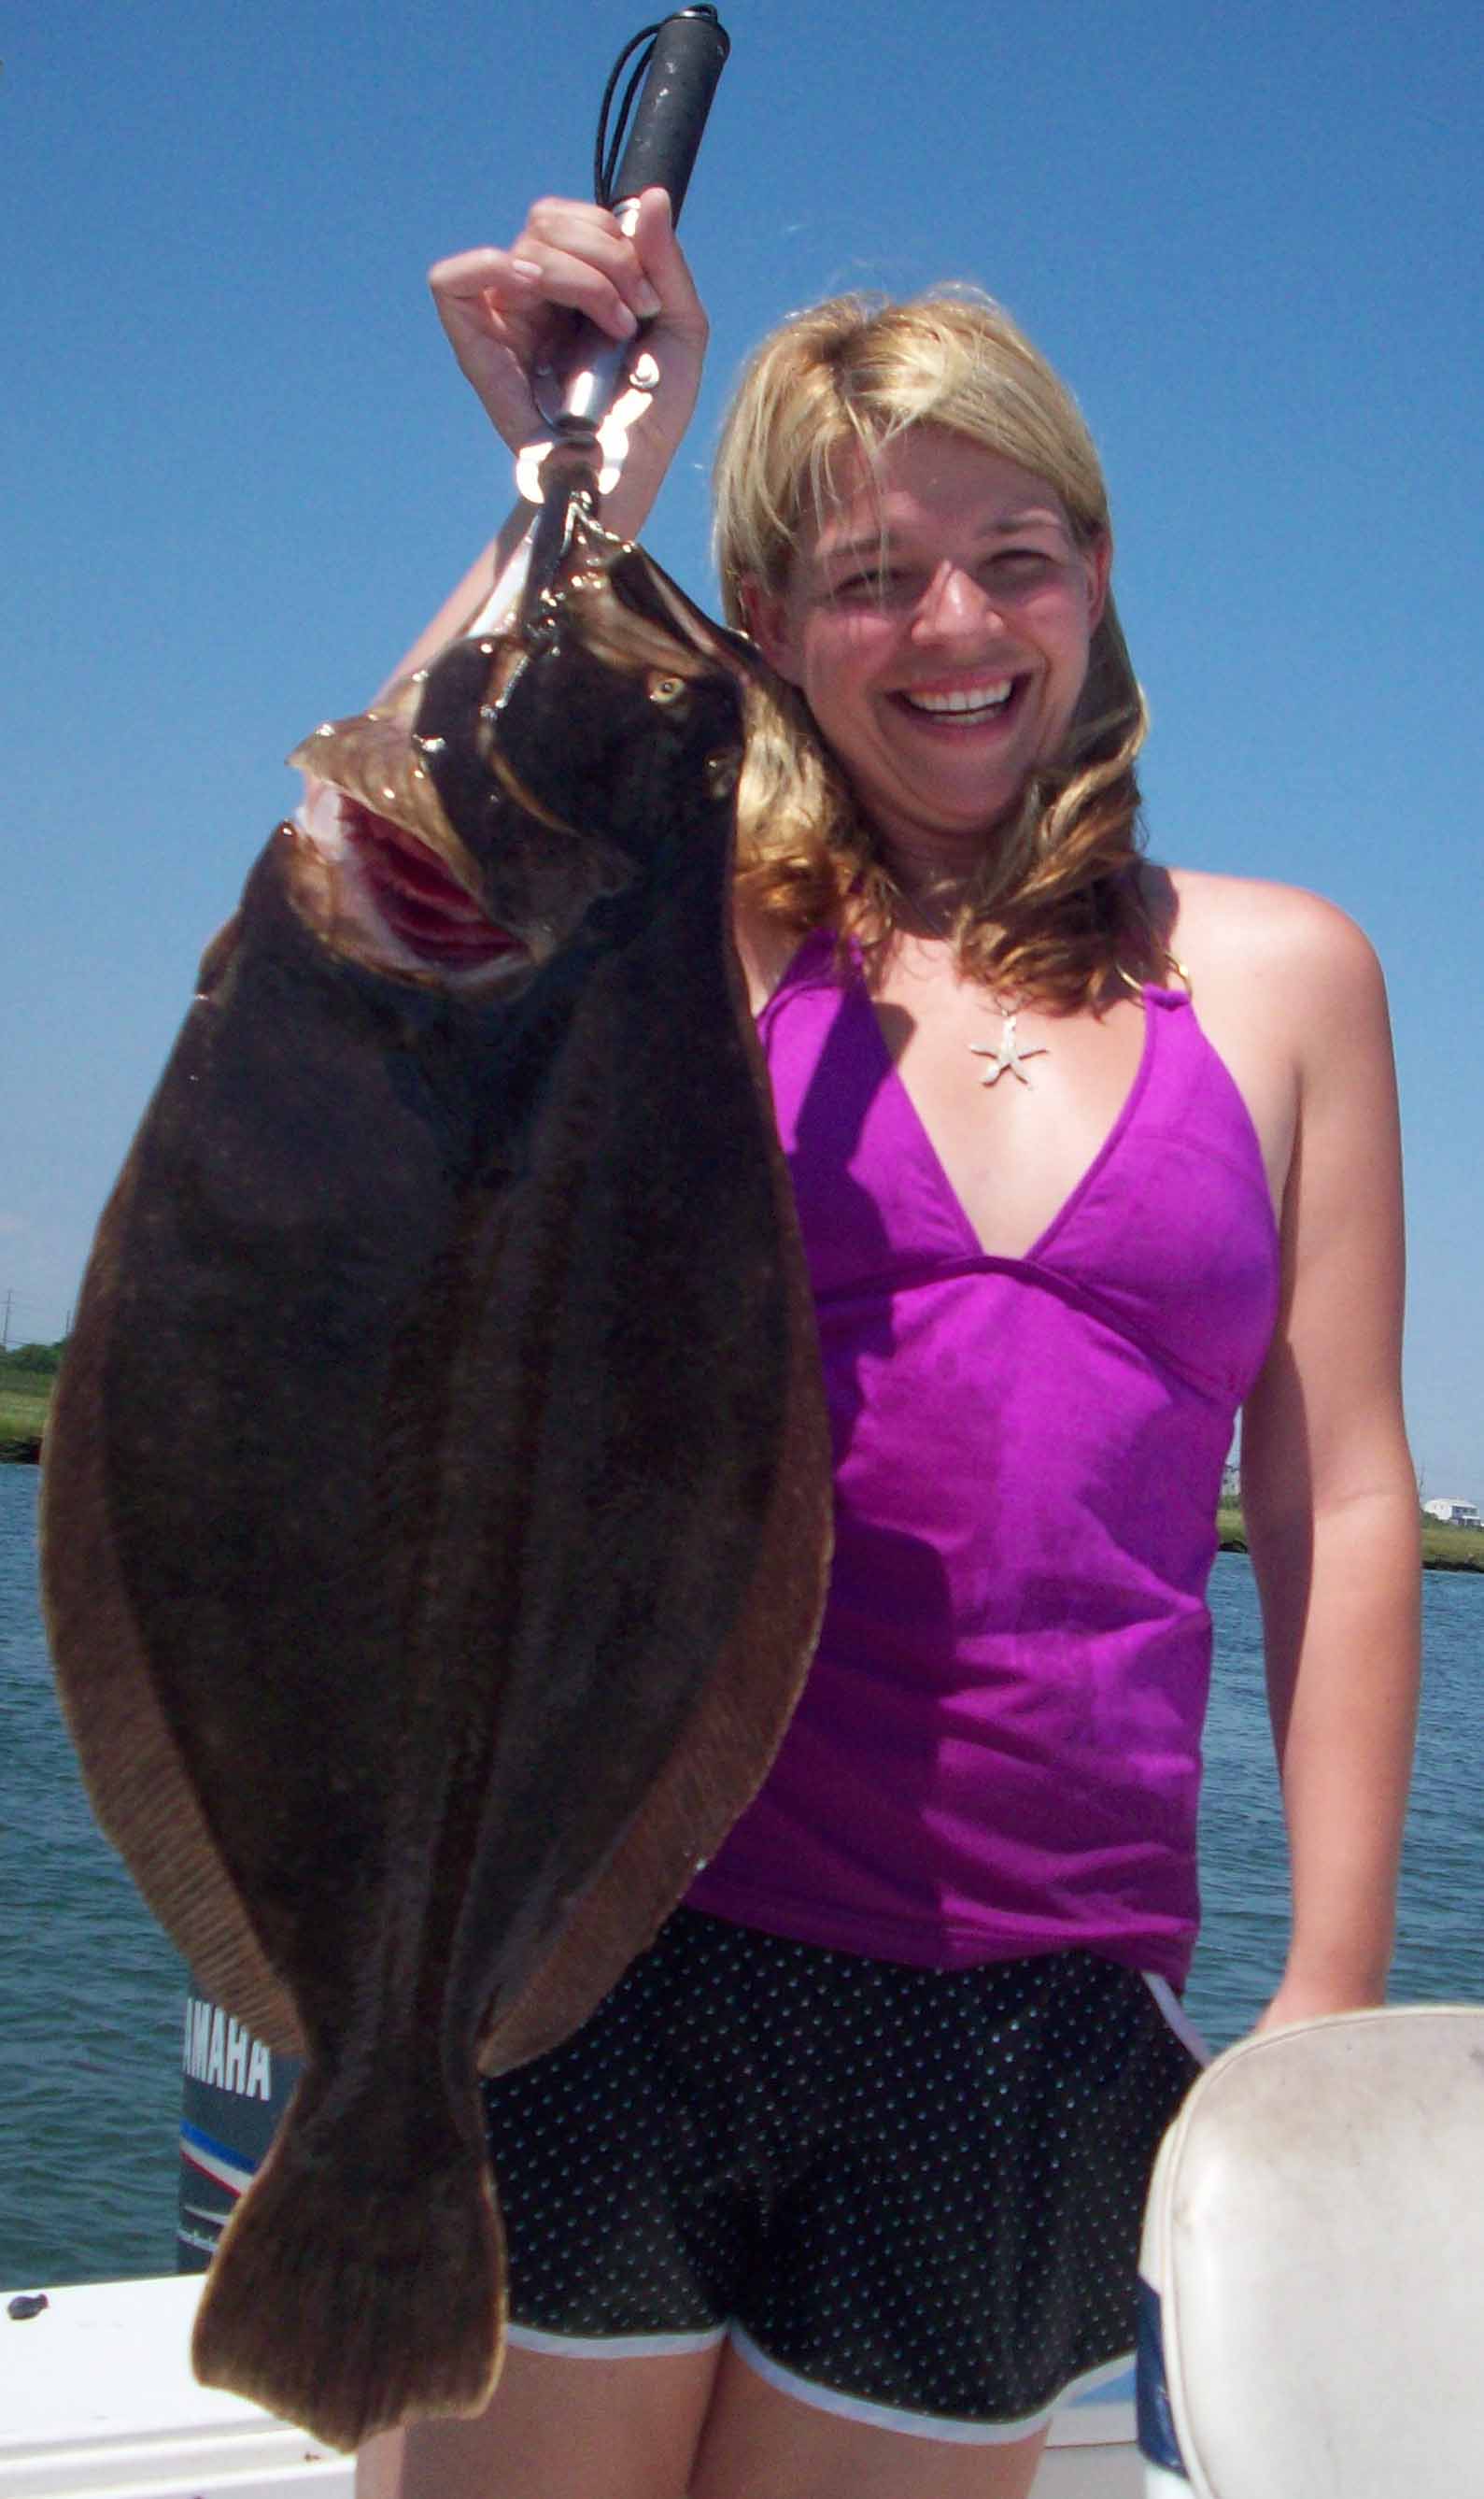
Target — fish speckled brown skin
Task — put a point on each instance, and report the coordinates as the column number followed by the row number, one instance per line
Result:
column 436, row 1500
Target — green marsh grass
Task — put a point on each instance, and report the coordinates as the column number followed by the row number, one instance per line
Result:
column 24, row 1397
column 1443, row 1548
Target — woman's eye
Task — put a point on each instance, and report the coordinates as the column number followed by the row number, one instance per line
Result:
column 875, row 584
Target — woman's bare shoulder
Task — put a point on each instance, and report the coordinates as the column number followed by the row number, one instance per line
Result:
column 1247, row 928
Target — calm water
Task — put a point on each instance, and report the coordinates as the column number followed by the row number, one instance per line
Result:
column 91, row 1994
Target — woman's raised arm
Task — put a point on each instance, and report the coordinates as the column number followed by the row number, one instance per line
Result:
column 506, row 314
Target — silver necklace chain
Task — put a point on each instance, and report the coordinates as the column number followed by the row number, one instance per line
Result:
column 1008, row 1056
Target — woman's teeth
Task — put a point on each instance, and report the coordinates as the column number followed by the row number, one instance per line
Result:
column 977, row 703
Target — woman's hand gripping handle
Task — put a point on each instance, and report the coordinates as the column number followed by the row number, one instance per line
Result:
column 509, row 316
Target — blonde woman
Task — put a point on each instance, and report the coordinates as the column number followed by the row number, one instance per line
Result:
column 839, row 2193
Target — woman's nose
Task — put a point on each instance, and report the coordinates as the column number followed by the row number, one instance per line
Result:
column 954, row 607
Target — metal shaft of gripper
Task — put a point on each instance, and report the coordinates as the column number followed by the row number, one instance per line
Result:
column 570, row 472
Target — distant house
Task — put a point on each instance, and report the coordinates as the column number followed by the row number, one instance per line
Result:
column 1454, row 1513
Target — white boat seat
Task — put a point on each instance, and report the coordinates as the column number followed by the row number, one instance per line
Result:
column 1314, row 2267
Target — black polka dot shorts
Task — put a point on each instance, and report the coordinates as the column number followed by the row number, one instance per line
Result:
column 911, row 2196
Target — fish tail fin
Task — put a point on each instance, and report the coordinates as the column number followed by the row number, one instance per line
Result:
column 361, row 2280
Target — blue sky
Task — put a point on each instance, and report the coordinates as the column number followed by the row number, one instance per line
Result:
column 241, row 467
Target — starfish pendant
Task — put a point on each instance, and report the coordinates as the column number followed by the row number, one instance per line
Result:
column 1007, row 1055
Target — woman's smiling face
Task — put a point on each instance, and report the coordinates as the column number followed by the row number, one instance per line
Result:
column 938, row 622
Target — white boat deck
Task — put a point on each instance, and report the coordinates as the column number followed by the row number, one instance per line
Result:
column 97, row 2396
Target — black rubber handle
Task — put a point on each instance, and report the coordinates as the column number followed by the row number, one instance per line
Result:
column 690, row 54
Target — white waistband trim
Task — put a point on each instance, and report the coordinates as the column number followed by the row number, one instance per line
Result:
column 612, row 2347
column 1176, row 2015
column 955, row 2433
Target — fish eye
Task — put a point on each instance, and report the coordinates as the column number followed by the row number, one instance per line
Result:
column 666, row 690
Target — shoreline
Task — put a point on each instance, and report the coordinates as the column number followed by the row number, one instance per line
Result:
column 1443, row 1548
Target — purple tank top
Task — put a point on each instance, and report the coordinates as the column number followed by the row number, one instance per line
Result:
column 998, row 1749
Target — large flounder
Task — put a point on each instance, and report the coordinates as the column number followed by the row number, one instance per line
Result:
column 436, row 1495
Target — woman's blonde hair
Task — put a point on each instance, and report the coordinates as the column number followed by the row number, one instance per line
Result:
column 1054, row 910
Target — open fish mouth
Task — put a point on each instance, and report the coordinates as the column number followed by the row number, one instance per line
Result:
column 437, row 1513
column 434, row 918
column 456, row 824
column 389, row 899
